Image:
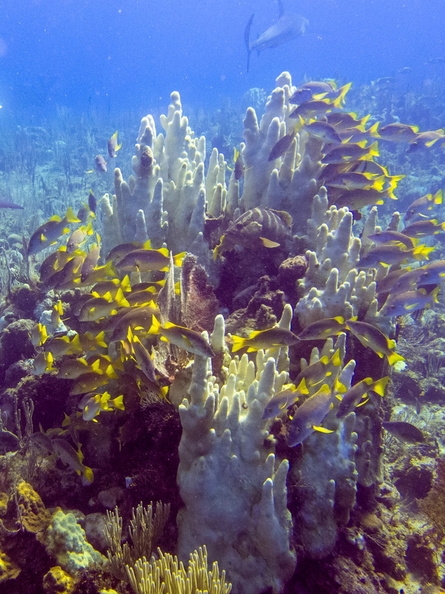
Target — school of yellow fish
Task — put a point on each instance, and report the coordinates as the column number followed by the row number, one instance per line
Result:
column 119, row 311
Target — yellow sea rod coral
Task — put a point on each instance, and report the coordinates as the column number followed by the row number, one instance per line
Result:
column 168, row 574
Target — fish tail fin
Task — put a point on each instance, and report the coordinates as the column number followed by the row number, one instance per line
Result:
column 342, row 92
column 71, row 216
column 438, row 197
column 394, row 181
column 435, row 293
column 179, row 258
column 247, row 39
column 373, row 130
column 422, row 252
column 336, row 359
column 109, row 269
column 238, row 343
column 217, row 251
column 299, row 125
column 378, row 183
column 374, row 149
column 118, row 402
column 88, row 473
column 394, row 358
column 302, row 387
column 155, row 327
column 379, row 386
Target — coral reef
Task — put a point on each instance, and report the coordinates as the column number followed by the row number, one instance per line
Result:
column 120, row 388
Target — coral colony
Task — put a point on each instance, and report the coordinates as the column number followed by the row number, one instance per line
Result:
column 219, row 337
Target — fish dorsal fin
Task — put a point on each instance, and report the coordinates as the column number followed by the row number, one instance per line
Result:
column 257, row 332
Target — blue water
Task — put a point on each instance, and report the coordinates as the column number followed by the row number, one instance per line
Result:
column 133, row 53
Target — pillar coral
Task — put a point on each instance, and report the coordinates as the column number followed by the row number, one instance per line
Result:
column 233, row 488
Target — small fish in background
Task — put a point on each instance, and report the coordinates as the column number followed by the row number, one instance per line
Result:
column 120, row 251
column 432, row 273
column 346, row 121
column 92, row 202
column 393, row 254
column 48, row 233
column 324, row 370
column 353, row 397
column 38, row 334
column 273, row 338
column 309, row 416
column 77, row 237
column 238, row 167
column 281, row 146
column 287, row 28
column 318, row 89
column 356, row 181
column 288, row 396
column 101, row 164
column 111, row 287
column 323, row 329
column 424, row 228
column 373, row 338
column 147, row 259
column 426, row 139
column 436, row 60
column 43, row 363
column 6, row 204
column 390, row 236
column 401, row 281
column 89, row 341
column 97, row 308
column 323, row 131
column 140, row 318
column 90, row 262
column 73, row 368
column 92, row 405
column 184, row 338
column 404, row 431
column 310, row 109
column 62, row 345
column 113, row 145
column 351, row 151
column 397, row 132
column 401, row 304
column 423, row 206
column 72, row 458
column 91, row 380
column 255, row 228
column 142, row 356
column 64, row 277
column 141, row 297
